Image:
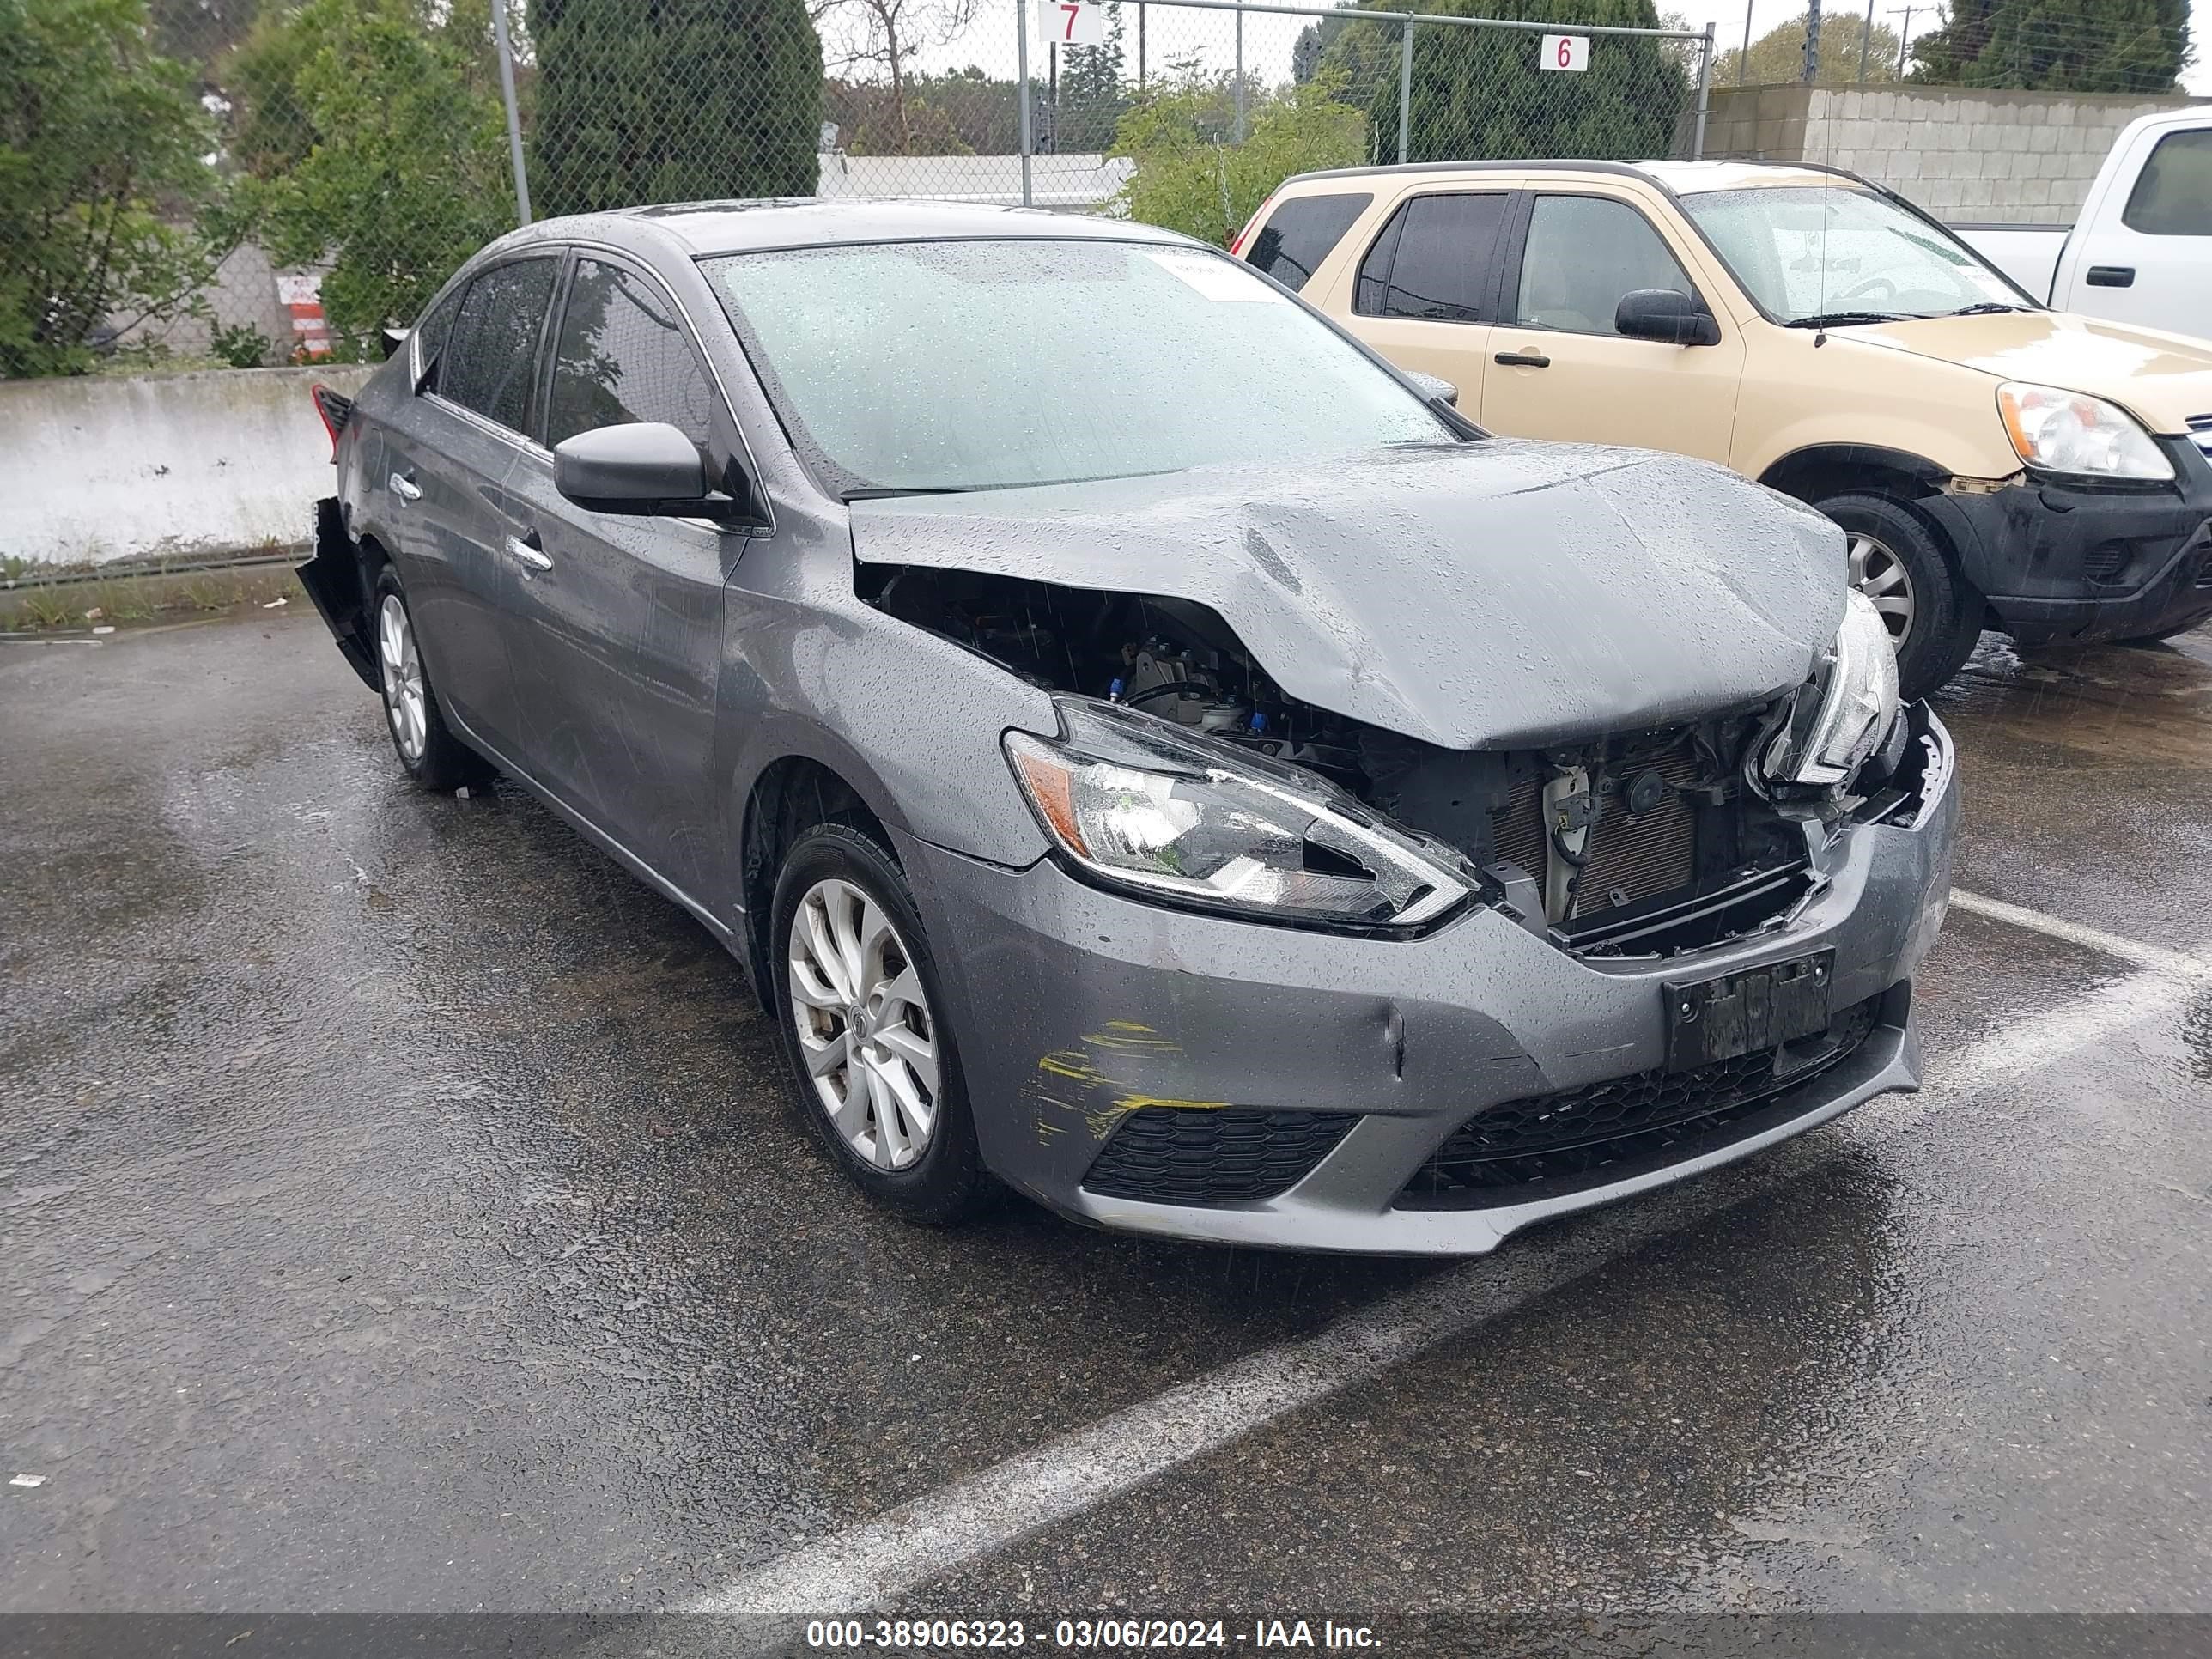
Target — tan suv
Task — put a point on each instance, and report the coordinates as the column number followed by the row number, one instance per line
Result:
column 1992, row 462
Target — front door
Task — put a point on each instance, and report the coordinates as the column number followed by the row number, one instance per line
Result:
column 2152, row 263
column 1558, row 367
column 620, row 618
column 1425, row 293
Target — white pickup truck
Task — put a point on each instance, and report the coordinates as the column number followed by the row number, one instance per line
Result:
column 2141, row 251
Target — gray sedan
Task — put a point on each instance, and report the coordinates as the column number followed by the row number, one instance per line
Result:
column 1146, row 751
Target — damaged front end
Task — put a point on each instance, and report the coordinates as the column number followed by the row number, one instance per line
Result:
column 1183, row 770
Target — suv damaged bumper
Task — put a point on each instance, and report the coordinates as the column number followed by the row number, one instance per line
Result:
column 1162, row 1071
column 2066, row 563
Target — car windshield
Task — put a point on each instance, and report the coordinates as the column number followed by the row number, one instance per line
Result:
column 1813, row 251
column 979, row 365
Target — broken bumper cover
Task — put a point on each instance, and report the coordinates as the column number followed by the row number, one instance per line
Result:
column 2060, row 563
column 1081, row 1010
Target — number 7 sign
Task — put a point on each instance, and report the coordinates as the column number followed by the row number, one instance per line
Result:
column 1072, row 23
column 1565, row 52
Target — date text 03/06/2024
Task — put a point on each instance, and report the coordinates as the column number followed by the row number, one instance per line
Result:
column 1258, row 1635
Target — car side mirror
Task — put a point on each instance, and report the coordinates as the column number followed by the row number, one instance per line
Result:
column 1665, row 314
column 392, row 338
column 641, row 467
column 1434, row 388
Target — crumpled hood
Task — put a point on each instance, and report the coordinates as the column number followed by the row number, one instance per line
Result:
column 1499, row 594
column 2163, row 380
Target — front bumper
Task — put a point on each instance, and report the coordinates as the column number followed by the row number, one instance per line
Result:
column 2059, row 562
column 1076, row 1007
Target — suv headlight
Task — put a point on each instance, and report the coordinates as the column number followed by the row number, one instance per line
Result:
column 1137, row 804
column 1841, row 715
column 2060, row 431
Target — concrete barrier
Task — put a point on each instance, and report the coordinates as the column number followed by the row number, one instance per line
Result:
column 99, row 469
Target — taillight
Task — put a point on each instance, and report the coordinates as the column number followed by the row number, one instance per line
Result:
column 336, row 410
column 1251, row 224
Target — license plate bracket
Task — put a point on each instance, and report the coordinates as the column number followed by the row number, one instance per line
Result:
column 1711, row 1020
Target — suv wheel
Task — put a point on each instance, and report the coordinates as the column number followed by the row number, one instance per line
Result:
column 1901, row 565
column 857, row 1000
column 433, row 755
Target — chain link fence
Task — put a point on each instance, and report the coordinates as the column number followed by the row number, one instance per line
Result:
column 254, row 181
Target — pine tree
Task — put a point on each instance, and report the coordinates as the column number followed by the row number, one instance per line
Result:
column 2060, row 45
column 673, row 100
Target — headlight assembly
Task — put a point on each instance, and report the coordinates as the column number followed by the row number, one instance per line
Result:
column 2059, row 431
column 1841, row 715
column 1135, row 804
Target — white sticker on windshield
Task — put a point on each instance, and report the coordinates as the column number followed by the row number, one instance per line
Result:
column 1216, row 279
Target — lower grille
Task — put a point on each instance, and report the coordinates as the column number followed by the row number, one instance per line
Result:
column 1607, row 1131
column 1213, row 1155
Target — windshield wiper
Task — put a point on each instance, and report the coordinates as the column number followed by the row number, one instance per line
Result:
column 891, row 492
column 1839, row 319
column 1985, row 308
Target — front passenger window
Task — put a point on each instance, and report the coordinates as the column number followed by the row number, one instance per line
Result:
column 625, row 357
column 491, row 362
column 1584, row 252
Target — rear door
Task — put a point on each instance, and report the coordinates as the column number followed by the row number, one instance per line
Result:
column 2151, row 261
column 1560, row 370
column 1425, row 293
column 620, row 618
column 455, row 449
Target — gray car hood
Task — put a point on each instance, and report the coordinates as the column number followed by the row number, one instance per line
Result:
column 1496, row 594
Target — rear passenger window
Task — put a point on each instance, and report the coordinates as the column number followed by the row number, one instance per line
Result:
column 625, row 357
column 1433, row 260
column 491, row 357
column 2174, row 197
column 1585, row 254
column 1301, row 232
column 428, row 339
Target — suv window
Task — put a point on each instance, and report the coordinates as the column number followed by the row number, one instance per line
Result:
column 624, row 356
column 491, row 357
column 1432, row 260
column 1299, row 234
column 2174, row 197
column 1583, row 253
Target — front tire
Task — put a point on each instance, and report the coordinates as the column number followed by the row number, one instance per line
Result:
column 433, row 755
column 1901, row 565
column 859, row 1004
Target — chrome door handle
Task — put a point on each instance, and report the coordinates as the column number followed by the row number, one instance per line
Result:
column 405, row 488
column 517, row 548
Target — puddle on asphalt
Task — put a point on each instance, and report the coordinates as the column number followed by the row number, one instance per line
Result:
column 2141, row 702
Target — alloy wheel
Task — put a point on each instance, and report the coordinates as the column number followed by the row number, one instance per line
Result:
column 866, row 1034
column 404, row 697
column 1879, row 574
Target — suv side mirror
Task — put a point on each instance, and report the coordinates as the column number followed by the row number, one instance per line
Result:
column 641, row 467
column 1665, row 314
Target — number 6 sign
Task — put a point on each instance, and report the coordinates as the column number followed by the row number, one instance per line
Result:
column 1565, row 52
column 1072, row 23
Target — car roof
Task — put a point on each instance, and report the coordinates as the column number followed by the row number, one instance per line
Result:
column 701, row 229
column 1682, row 178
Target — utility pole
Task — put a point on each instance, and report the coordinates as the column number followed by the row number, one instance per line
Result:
column 1904, row 38
column 1866, row 39
column 1743, row 63
column 1813, row 42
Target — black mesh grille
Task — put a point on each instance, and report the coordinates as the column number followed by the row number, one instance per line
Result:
column 1213, row 1155
column 1607, row 1130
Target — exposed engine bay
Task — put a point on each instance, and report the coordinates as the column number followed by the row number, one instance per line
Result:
column 1633, row 844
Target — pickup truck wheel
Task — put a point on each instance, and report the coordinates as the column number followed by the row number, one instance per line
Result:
column 858, row 1001
column 1901, row 565
column 433, row 755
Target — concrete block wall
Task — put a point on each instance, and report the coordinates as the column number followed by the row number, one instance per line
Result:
column 2012, row 157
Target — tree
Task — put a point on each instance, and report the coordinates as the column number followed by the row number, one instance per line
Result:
column 1189, row 178
column 1480, row 93
column 2065, row 46
column 1091, row 101
column 1777, row 56
column 103, row 168
column 883, row 37
column 966, row 113
column 673, row 100
column 373, row 138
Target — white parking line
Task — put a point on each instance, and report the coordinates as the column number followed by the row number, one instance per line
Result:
column 2156, row 958
column 873, row 1564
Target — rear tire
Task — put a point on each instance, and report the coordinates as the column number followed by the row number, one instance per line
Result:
column 848, row 959
column 433, row 755
column 1903, row 565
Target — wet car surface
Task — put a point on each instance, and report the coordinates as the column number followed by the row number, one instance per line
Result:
column 399, row 1208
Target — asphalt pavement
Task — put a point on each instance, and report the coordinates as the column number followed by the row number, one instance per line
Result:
column 400, row 1209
